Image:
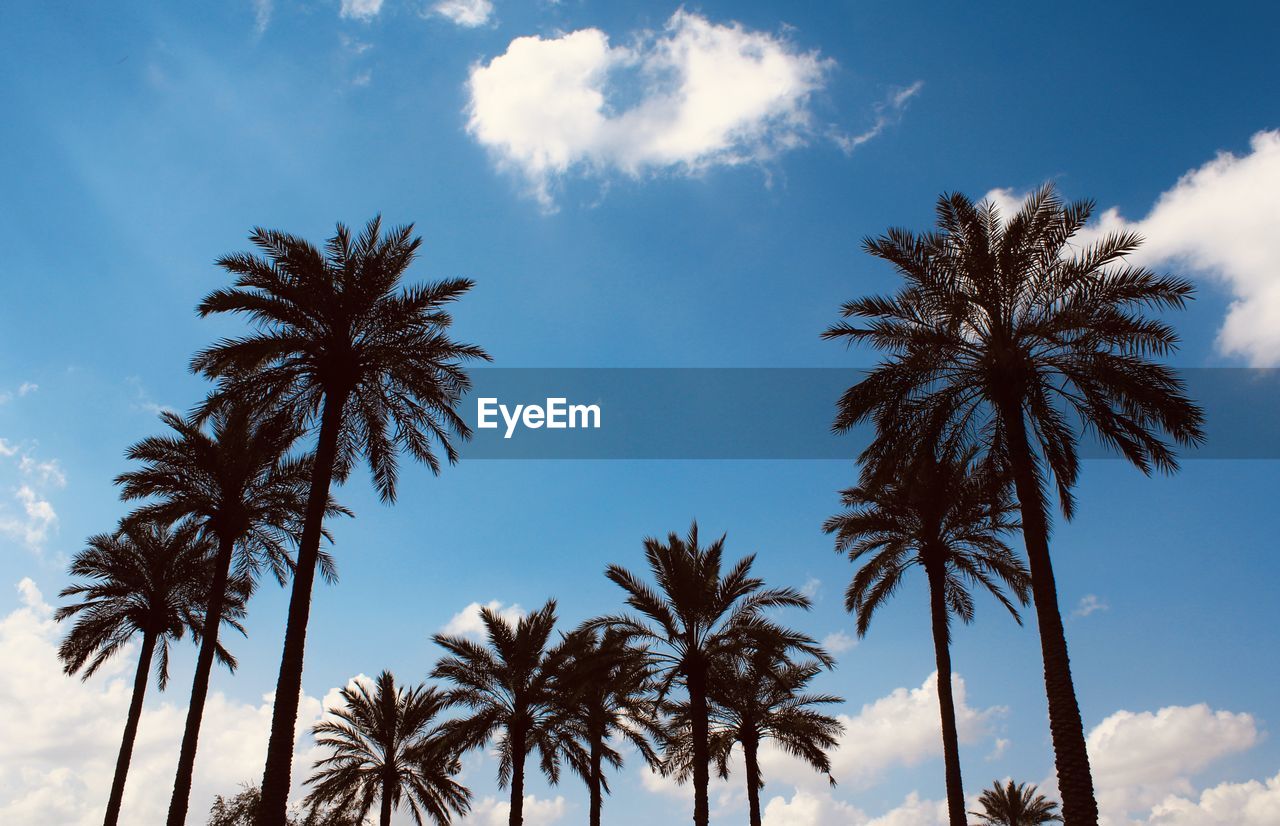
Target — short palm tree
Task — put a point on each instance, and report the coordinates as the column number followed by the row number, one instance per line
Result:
column 760, row 695
column 698, row 620
column 509, row 689
column 946, row 515
column 145, row 579
column 338, row 342
column 1004, row 333
column 1016, row 805
column 386, row 743
column 238, row 482
column 608, row 691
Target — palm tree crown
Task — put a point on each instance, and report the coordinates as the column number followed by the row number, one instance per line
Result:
column 386, row 743
column 1016, row 805
column 509, row 688
column 697, row 620
column 1007, row 337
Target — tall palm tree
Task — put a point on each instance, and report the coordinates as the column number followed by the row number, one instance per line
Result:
column 698, row 620
column 509, row 688
column 761, row 694
column 387, row 744
column 1005, row 333
column 608, row 691
column 144, row 579
column 239, row 484
column 1016, row 805
column 945, row 514
column 337, row 340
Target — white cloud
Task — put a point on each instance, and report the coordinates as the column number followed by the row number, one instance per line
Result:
column 467, row 622
column 491, row 811
column 696, row 95
column 998, row 748
column 1221, row 221
column 261, row 15
column 838, row 642
column 360, row 9
column 1229, row 804
column 1090, row 604
column 31, row 518
column 811, row 587
column 57, row 757
column 1138, row 759
column 888, row 112
column 821, row 808
column 466, row 13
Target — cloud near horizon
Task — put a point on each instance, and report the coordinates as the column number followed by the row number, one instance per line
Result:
column 693, row 96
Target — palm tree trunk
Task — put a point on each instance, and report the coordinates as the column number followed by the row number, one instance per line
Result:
column 1071, row 756
column 200, row 685
column 517, row 777
column 956, row 815
column 130, row 730
column 751, row 756
column 284, row 716
column 388, row 791
column 701, row 750
column 595, row 783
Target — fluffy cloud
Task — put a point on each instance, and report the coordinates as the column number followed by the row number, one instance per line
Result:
column 838, row 642
column 1090, row 604
column 1228, row 804
column 696, row 95
column 491, row 811
column 1139, row 759
column 466, row 13
column 57, row 757
column 360, row 9
column 30, row 516
column 1220, row 221
column 820, row 808
column 467, row 622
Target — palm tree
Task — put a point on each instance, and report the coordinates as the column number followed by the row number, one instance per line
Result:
column 337, row 340
column 697, row 621
column 386, row 744
column 607, row 689
column 945, row 514
column 144, row 579
column 509, row 687
column 247, row 494
column 1018, row 805
column 761, row 695
column 1002, row 334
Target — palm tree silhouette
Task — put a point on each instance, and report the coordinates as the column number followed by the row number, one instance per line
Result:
column 339, row 341
column 698, row 620
column 946, row 515
column 1000, row 329
column 247, row 494
column 509, row 686
column 144, row 579
column 608, row 692
column 760, row 695
column 387, row 745
column 1016, row 805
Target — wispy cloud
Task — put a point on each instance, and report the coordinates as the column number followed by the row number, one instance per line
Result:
column 888, row 112
column 469, row 14
column 1090, row 604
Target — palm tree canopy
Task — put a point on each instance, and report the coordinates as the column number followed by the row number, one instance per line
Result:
column 1011, row 315
column 607, row 691
column 1016, row 805
column 338, row 324
column 386, row 732
column 147, row 578
column 509, row 685
column 951, row 511
column 761, row 694
column 697, row 617
column 236, row 477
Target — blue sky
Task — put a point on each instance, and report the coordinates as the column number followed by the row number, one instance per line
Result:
column 142, row 141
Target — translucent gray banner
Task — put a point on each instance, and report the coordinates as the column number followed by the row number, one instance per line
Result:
column 766, row 413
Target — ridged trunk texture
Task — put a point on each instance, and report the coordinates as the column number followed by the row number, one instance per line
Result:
column 956, row 815
column 130, row 730
column 1071, row 756
column 701, row 749
column 284, row 717
column 200, row 685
